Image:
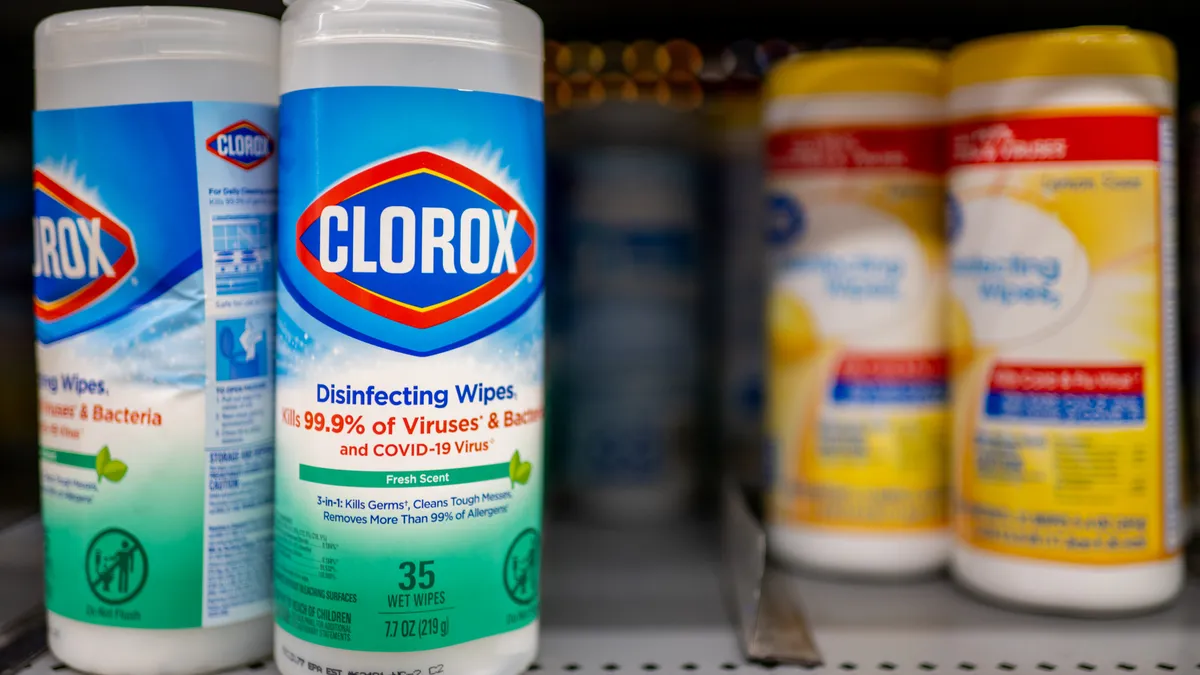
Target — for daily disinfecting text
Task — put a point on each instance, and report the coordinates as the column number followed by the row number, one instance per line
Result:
column 412, row 396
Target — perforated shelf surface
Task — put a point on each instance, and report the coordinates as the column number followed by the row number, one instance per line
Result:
column 650, row 601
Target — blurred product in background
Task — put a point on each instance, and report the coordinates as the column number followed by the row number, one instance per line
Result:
column 1062, row 225
column 632, row 219
column 856, row 382
column 629, row 341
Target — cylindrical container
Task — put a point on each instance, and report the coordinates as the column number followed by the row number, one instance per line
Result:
column 154, row 295
column 634, row 347
column 411, row 318
column 1062, row 225
column 856, row 378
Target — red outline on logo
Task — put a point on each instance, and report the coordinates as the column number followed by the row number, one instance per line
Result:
column 417, row 318
column 244, row 124
column 96, row 289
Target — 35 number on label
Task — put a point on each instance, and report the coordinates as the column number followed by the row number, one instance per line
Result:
column 415, row 575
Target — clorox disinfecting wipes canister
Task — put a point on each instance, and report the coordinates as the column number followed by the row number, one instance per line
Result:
column 410, row 338
column 154, row 192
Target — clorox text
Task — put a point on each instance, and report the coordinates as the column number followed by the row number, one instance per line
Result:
column 69, row 248
column 442, row 232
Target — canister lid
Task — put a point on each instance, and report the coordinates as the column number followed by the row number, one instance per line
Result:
column 859, row 70
column 1083, row 51
column 129, row 34
column 498, row 25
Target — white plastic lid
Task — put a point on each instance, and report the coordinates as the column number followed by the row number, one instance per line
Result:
column 497, row 25
column 125, row 34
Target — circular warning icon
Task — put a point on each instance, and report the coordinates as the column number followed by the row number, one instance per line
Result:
column 116, row 566
column 522, row 567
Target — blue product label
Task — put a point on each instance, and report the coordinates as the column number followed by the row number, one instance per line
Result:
column 424, row 247
column 1071, row 408
column 154, row 299
column 410, row 353
column 86, row 254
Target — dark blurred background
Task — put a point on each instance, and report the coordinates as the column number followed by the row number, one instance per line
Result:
column 651, row 106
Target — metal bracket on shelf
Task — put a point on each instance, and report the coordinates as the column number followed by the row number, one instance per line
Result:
column 771, row 626
column 22, row 641
column 22, row 617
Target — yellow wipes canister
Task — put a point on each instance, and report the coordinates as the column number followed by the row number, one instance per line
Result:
column 857, row 358
column 1062, row 229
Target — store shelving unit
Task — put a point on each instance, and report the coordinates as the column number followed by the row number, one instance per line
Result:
column 617, row 602
column 650, row 600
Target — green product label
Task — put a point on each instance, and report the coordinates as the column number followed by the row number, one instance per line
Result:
column 104, row 545
column 408, row 560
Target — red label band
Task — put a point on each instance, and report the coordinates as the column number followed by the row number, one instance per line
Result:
column 892, row 368
column 1066, row 379
column 849, row 149
column 1129, row 138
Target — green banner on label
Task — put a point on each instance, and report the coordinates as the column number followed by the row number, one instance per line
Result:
column 65, row 458
column 403, row 479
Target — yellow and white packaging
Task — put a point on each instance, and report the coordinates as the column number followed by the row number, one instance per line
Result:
column 1062, row 225
column 856, row 389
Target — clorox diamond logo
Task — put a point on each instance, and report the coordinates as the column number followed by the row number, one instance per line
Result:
column 419, row 240
column 243, row 144
column 81, row 253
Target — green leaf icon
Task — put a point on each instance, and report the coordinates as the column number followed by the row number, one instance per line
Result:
column 115, row 470
column 522, row 475
column 513, row 465
column 518, row 471
column 107, row 467
column 102, row 461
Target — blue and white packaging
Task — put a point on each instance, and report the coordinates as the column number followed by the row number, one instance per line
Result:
column 154, row 298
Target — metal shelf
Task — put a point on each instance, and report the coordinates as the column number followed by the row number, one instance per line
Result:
column 650, row 600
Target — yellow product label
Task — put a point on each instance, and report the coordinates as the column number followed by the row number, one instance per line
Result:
column 857, row 364
column 1063, row 366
